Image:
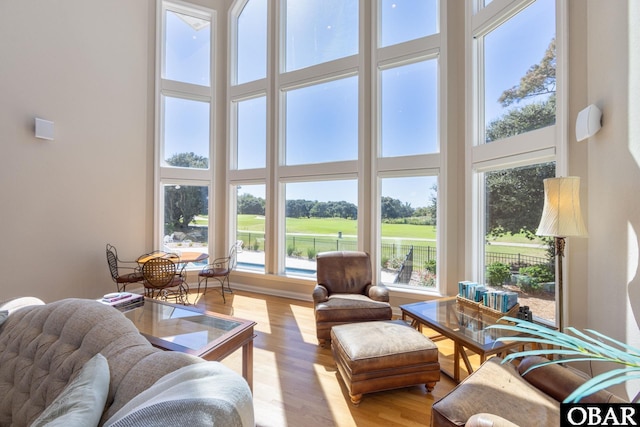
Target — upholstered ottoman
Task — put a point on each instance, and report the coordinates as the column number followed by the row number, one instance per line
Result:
column 383, row 355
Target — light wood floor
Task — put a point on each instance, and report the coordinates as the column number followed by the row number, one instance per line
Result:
column 295, row 380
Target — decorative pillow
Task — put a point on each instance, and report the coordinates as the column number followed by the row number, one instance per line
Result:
column 3, row 316
column 82, row 401
column 202, row 394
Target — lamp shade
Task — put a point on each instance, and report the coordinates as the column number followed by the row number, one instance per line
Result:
column 561, row 215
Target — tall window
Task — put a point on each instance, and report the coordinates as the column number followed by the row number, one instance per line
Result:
column 184, row 98
column 408, row 248
column 186, row 218
column 406, row 20
column 409, row 121
column 320, row 216
column 251, row 53
column 251, row 133
column 519, row 73
column 515, row 147
column 186, row 132
column 250, row 226
column 409, row 132
column 318, row 31
column 187, row 47
column 322, row 122
column 355, row 84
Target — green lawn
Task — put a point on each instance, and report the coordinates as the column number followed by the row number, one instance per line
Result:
column 407, row 233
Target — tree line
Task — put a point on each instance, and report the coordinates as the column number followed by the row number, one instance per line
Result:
column 301, row 208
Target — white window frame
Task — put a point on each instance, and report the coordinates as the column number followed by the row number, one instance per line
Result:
column 368, row 168
column 538, row 146
column 164, row 87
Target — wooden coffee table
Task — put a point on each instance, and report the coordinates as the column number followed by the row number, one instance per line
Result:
column 465, row 328
column 211, row 336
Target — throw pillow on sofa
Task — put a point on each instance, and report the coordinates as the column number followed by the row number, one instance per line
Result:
column 198, row 395
column 82, row 401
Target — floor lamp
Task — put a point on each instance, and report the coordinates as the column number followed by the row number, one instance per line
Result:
column 561, row 218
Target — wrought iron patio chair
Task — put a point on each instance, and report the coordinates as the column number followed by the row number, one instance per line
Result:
column 163, row 280
column 219, row 269
column 123, row 273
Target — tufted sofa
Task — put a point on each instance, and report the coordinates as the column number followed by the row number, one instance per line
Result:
column 44, row 346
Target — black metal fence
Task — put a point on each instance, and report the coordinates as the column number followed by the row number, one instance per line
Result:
column 515, row 261
column 420, row 254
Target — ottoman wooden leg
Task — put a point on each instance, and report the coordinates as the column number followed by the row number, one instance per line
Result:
column 355, row 398
column 430, row 386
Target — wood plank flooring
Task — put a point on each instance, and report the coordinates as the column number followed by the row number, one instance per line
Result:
column 295, row 380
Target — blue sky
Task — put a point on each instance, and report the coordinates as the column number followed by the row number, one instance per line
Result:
column 321, row 120
column 514, row 47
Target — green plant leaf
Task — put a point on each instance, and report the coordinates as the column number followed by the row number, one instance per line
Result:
column 575, row 346
column 600, row 382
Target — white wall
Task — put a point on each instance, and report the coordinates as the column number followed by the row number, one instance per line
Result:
column 611, row 291
column 86, row 65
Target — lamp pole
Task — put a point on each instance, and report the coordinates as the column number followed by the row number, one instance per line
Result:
column 559, row 244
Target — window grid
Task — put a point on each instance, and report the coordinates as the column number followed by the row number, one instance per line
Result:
column 276, row 174
column 183, row 160
column 518, row 154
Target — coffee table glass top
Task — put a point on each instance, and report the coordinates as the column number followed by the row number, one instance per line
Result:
column 184, row 329
column 448, row 315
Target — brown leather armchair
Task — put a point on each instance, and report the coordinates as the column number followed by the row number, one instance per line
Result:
column 344, row 292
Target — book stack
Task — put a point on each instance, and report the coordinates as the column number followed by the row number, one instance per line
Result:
column 471, row 291
column 123, row 301
column 501, row 301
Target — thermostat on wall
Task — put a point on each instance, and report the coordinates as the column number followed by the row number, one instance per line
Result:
column 588, row 122
column 44, row 129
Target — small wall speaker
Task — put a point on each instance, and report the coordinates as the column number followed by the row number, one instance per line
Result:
column 588, row 123
column 44, row 129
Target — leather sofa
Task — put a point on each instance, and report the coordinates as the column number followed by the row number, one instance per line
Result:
column 44, row 348
column 497, row 394
column 344, row 292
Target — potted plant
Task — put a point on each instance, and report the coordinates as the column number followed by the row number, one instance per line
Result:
column 576, row 346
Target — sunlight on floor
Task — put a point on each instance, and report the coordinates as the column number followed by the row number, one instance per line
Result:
column 301, row 316
column 333, row 396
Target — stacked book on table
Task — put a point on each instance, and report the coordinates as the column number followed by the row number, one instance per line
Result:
column 498, row 300
column 490, row 304
column 123, row 301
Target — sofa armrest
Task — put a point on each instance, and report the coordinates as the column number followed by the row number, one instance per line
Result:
column 320, row 294
column 559, row 381
column 498, row 389
column 488, row 420
column 14, row 304
column 378, row 292
column 197, row 395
